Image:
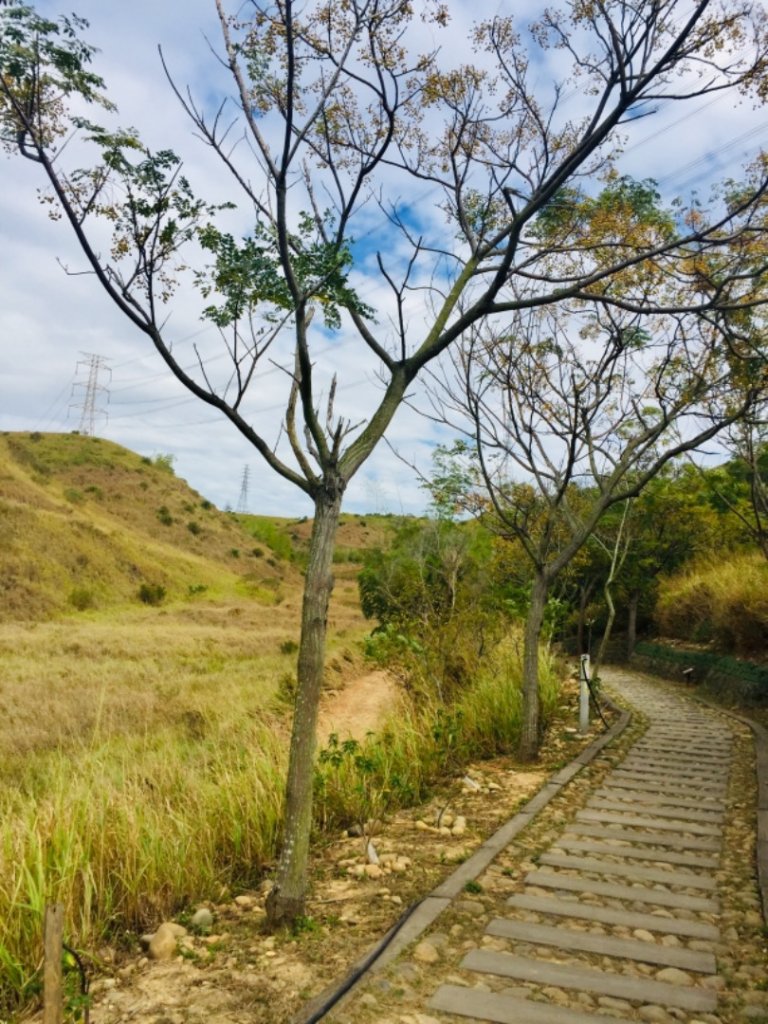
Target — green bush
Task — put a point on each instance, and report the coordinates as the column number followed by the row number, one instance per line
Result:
column 165, row 516
column 82, row 598
column 151, row 593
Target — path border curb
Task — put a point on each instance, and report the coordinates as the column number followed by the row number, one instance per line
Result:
column 415, row 922
column 761, row 771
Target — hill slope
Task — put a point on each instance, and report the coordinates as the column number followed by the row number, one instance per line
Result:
column 85, row 523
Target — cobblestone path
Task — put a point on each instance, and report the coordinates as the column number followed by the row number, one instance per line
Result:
column 619, row 915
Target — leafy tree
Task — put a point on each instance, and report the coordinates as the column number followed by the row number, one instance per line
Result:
column 340, row 112
column 438, row 601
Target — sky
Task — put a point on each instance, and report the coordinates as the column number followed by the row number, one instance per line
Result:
column 54, row 319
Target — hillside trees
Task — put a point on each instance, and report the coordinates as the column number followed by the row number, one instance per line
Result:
column 343, row 111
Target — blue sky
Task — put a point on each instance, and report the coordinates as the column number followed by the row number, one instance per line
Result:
column 49, row 319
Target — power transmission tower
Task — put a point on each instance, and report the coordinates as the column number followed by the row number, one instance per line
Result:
column 96, row 365
column 242, row 501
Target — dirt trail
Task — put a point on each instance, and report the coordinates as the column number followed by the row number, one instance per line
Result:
column 359, row 707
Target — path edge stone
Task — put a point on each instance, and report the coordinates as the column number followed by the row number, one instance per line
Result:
column 761, row 771
column 435, row 902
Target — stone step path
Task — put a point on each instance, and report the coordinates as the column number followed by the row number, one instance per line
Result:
column 623, row 906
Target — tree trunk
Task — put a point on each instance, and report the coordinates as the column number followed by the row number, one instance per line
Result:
column 634, row 602
column 529, row 734
column 585, row 590
column 287, row 899
column 602, row 650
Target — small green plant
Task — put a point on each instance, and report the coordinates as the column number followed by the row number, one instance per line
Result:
column 286, row 687
column 258, row 552
column 165, row 516
column 235, row 552
column 194, row 528
column 82, row 598
column 473, row 886
column 73, row 495
column 306, row 926
column 207, row 505
column 152, row 593
column 288, row 647
column 164, row 463
column 196, row 588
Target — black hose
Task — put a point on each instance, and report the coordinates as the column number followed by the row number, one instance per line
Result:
column 358, row 970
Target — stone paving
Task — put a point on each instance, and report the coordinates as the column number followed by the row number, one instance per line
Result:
column 620, row 917
column 657, row 807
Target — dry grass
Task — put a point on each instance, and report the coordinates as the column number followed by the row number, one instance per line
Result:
column 722, row 602
column 141, row 765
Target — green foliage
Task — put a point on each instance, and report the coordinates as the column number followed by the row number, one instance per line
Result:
column 437, row 600
column 164, row 463
column 165, row 516
column 151, row 593
column 248, row 274
column 620, row 206
column 194, row 528
column 269, row 533
column 82, row 598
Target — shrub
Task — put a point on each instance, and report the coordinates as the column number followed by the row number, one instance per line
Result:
column 165, row 516
column 151, row 593
column 164, row 463
column 82, row 598
column 194, row 528
column 288, row 647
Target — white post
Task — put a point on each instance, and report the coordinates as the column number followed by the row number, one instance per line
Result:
column 584, row 694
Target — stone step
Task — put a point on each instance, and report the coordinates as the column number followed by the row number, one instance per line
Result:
column 614, row 890
column 596, row 865
column 629, row 781
column 722, row 756
column 669, row 781
column 588, row 979
column 615, row 791
column 657, row 809
column 702, row 762
column 567, row 842
column 603, row 945
column 503, row 1009
column 610, row 915
column 696, row 828
column 634, row 835
column 687, row 778
column 690, row 773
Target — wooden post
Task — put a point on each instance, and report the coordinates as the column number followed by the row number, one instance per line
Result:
column 53, row 992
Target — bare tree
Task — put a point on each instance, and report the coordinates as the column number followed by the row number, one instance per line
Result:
column 334, row 110
column 571, row 415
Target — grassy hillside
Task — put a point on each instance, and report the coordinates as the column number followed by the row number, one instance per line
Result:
column 722, row 602
column 85, row 523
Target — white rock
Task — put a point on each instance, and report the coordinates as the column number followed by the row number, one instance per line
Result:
column 202, row 918
column 426, row 953
column 162, row 945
